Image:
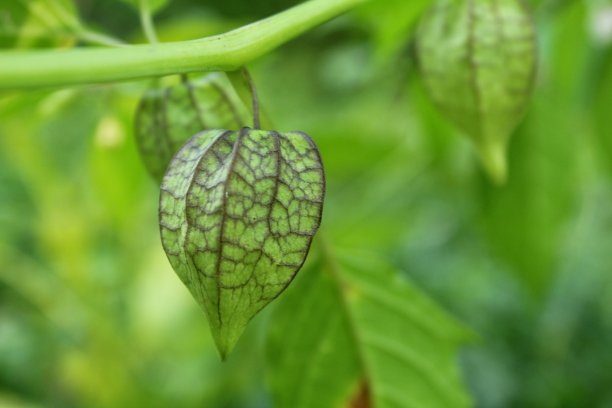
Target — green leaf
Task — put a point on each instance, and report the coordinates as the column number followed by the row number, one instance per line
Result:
column 370, row 338
column 478, row 61
column 167, row 117
column 238, row 211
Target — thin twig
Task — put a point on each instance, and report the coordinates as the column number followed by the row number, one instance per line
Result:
column 146, row 20
column 254, row 98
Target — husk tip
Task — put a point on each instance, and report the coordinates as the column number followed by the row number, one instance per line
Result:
column 495, row 163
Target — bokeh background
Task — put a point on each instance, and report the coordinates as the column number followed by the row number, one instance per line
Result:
column 91, row 314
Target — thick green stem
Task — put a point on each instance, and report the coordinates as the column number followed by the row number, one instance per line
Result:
column 229, row 51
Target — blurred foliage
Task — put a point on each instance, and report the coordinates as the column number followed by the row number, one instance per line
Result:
column 91, row 313
column 373, row 337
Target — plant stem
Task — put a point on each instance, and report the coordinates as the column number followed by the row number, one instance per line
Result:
column 146, row 20
column 254, row 98
column 243, row 90
column 223, row 52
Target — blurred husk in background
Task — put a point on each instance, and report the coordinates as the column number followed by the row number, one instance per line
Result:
column 91, row 313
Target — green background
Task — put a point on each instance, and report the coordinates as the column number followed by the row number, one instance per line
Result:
column 91, row 314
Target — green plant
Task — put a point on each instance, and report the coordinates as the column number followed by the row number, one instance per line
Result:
column 239, row 207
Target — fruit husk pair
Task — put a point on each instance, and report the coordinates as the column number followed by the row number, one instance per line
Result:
column 238, row 209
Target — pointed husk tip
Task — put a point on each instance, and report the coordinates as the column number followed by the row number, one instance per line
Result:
column 226, row 338
column 494, row 160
